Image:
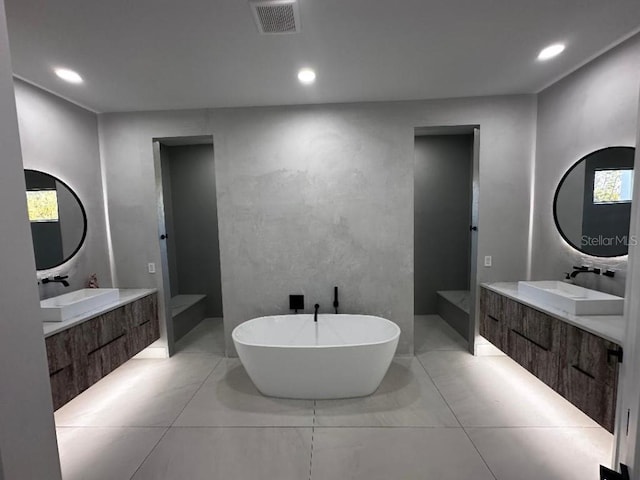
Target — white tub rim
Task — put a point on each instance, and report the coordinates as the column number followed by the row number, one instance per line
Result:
column 393, row 338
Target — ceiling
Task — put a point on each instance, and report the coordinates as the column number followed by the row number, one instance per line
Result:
column 170, row 54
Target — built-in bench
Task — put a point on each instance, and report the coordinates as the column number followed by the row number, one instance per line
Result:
column 453, row 307
column 187, row 311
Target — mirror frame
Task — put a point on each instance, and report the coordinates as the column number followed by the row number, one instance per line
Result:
column 84, row 218
column 557, row 192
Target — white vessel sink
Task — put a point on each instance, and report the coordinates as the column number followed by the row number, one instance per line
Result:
column 69, row 305
column 572, row 298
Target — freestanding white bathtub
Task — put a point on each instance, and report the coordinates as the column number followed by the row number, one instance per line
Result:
column 340, row 356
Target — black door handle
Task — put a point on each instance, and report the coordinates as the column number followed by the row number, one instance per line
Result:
column 164, row 236
column 473, row 228
column 615, row 353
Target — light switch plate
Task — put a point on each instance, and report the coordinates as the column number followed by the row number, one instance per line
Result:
column 488, row 260
column 152, row 267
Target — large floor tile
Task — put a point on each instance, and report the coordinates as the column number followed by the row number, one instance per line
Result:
column 145, row 393
column 230, row 453
column 406, row 397
column 104, row 453
column 206, row 338
column 431, row 332
column 535, row 453
column 495, row 391
column 396, row 453
column 229, row 398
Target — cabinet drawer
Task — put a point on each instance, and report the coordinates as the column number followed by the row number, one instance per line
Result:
column 143, row 335
column 105, row 359
column 497, row 306
column 142, row 321
column 63, row 348
column 142, row 311
column 540, row 361
column 66, row 383
column 594, row 398
column 102, row 330
column 494, row 330
column 539, row 328
column 588, row 353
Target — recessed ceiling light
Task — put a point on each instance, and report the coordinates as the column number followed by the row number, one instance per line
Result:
column 551, row 51
column 307, row 76
column 68, row 75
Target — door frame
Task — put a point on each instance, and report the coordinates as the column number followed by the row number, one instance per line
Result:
column 474, row 307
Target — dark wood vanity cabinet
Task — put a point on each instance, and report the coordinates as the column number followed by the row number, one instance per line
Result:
column 588, row 375
column 67, row 371
column 83, row 354
column 493, row 319
column 573, row 362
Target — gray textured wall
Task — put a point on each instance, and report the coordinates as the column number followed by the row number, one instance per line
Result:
column 28, row 448
column 61, row 139
column 592, row 108
column 315, row 196
column 442, row 204
column 195, row 224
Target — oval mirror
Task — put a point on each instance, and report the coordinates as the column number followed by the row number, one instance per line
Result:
column 592, row 204
column 58, row 219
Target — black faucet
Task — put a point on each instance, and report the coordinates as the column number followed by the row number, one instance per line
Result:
column 578, row 270
column 315, row 315
column 336, row 304
column 58, row 279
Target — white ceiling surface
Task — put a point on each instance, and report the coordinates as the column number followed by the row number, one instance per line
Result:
column 169, row 54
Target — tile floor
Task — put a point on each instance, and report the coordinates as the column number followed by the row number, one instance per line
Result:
column 442, row 414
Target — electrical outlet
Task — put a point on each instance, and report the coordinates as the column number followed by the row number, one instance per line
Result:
column 487, row 261
column 152, row 267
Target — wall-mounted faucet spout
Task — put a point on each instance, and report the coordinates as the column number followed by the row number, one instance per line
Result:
column 579, row 270
column 315, row 315
column 57, row 279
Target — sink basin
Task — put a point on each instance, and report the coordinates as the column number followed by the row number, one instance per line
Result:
column 69, row 305
column 572, row 298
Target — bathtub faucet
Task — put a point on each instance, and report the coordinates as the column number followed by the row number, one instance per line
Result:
column 315, row 315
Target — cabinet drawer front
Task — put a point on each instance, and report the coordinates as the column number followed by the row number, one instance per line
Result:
column 101, row 330
column 66, row 383
column 540, row 361
column 589, row 354
column 142, row 311
column 492, row 303
column 142, row 336
column 540, row 328
column 104, row 360
column 495, row 331
column 63, row 348
column 594, row 398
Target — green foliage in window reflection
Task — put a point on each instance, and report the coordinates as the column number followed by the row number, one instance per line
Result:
column 42, row 205
column 611, row 186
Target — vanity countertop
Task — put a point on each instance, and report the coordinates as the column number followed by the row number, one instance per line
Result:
column 609, row 327
column 126, row 296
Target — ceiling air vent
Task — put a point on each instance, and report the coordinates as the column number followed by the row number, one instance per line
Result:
column 276, row 16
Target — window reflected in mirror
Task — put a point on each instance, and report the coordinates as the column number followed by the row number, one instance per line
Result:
column 57, row 217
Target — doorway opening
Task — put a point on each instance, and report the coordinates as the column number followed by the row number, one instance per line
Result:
column 445, row 226
column 188, row 227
